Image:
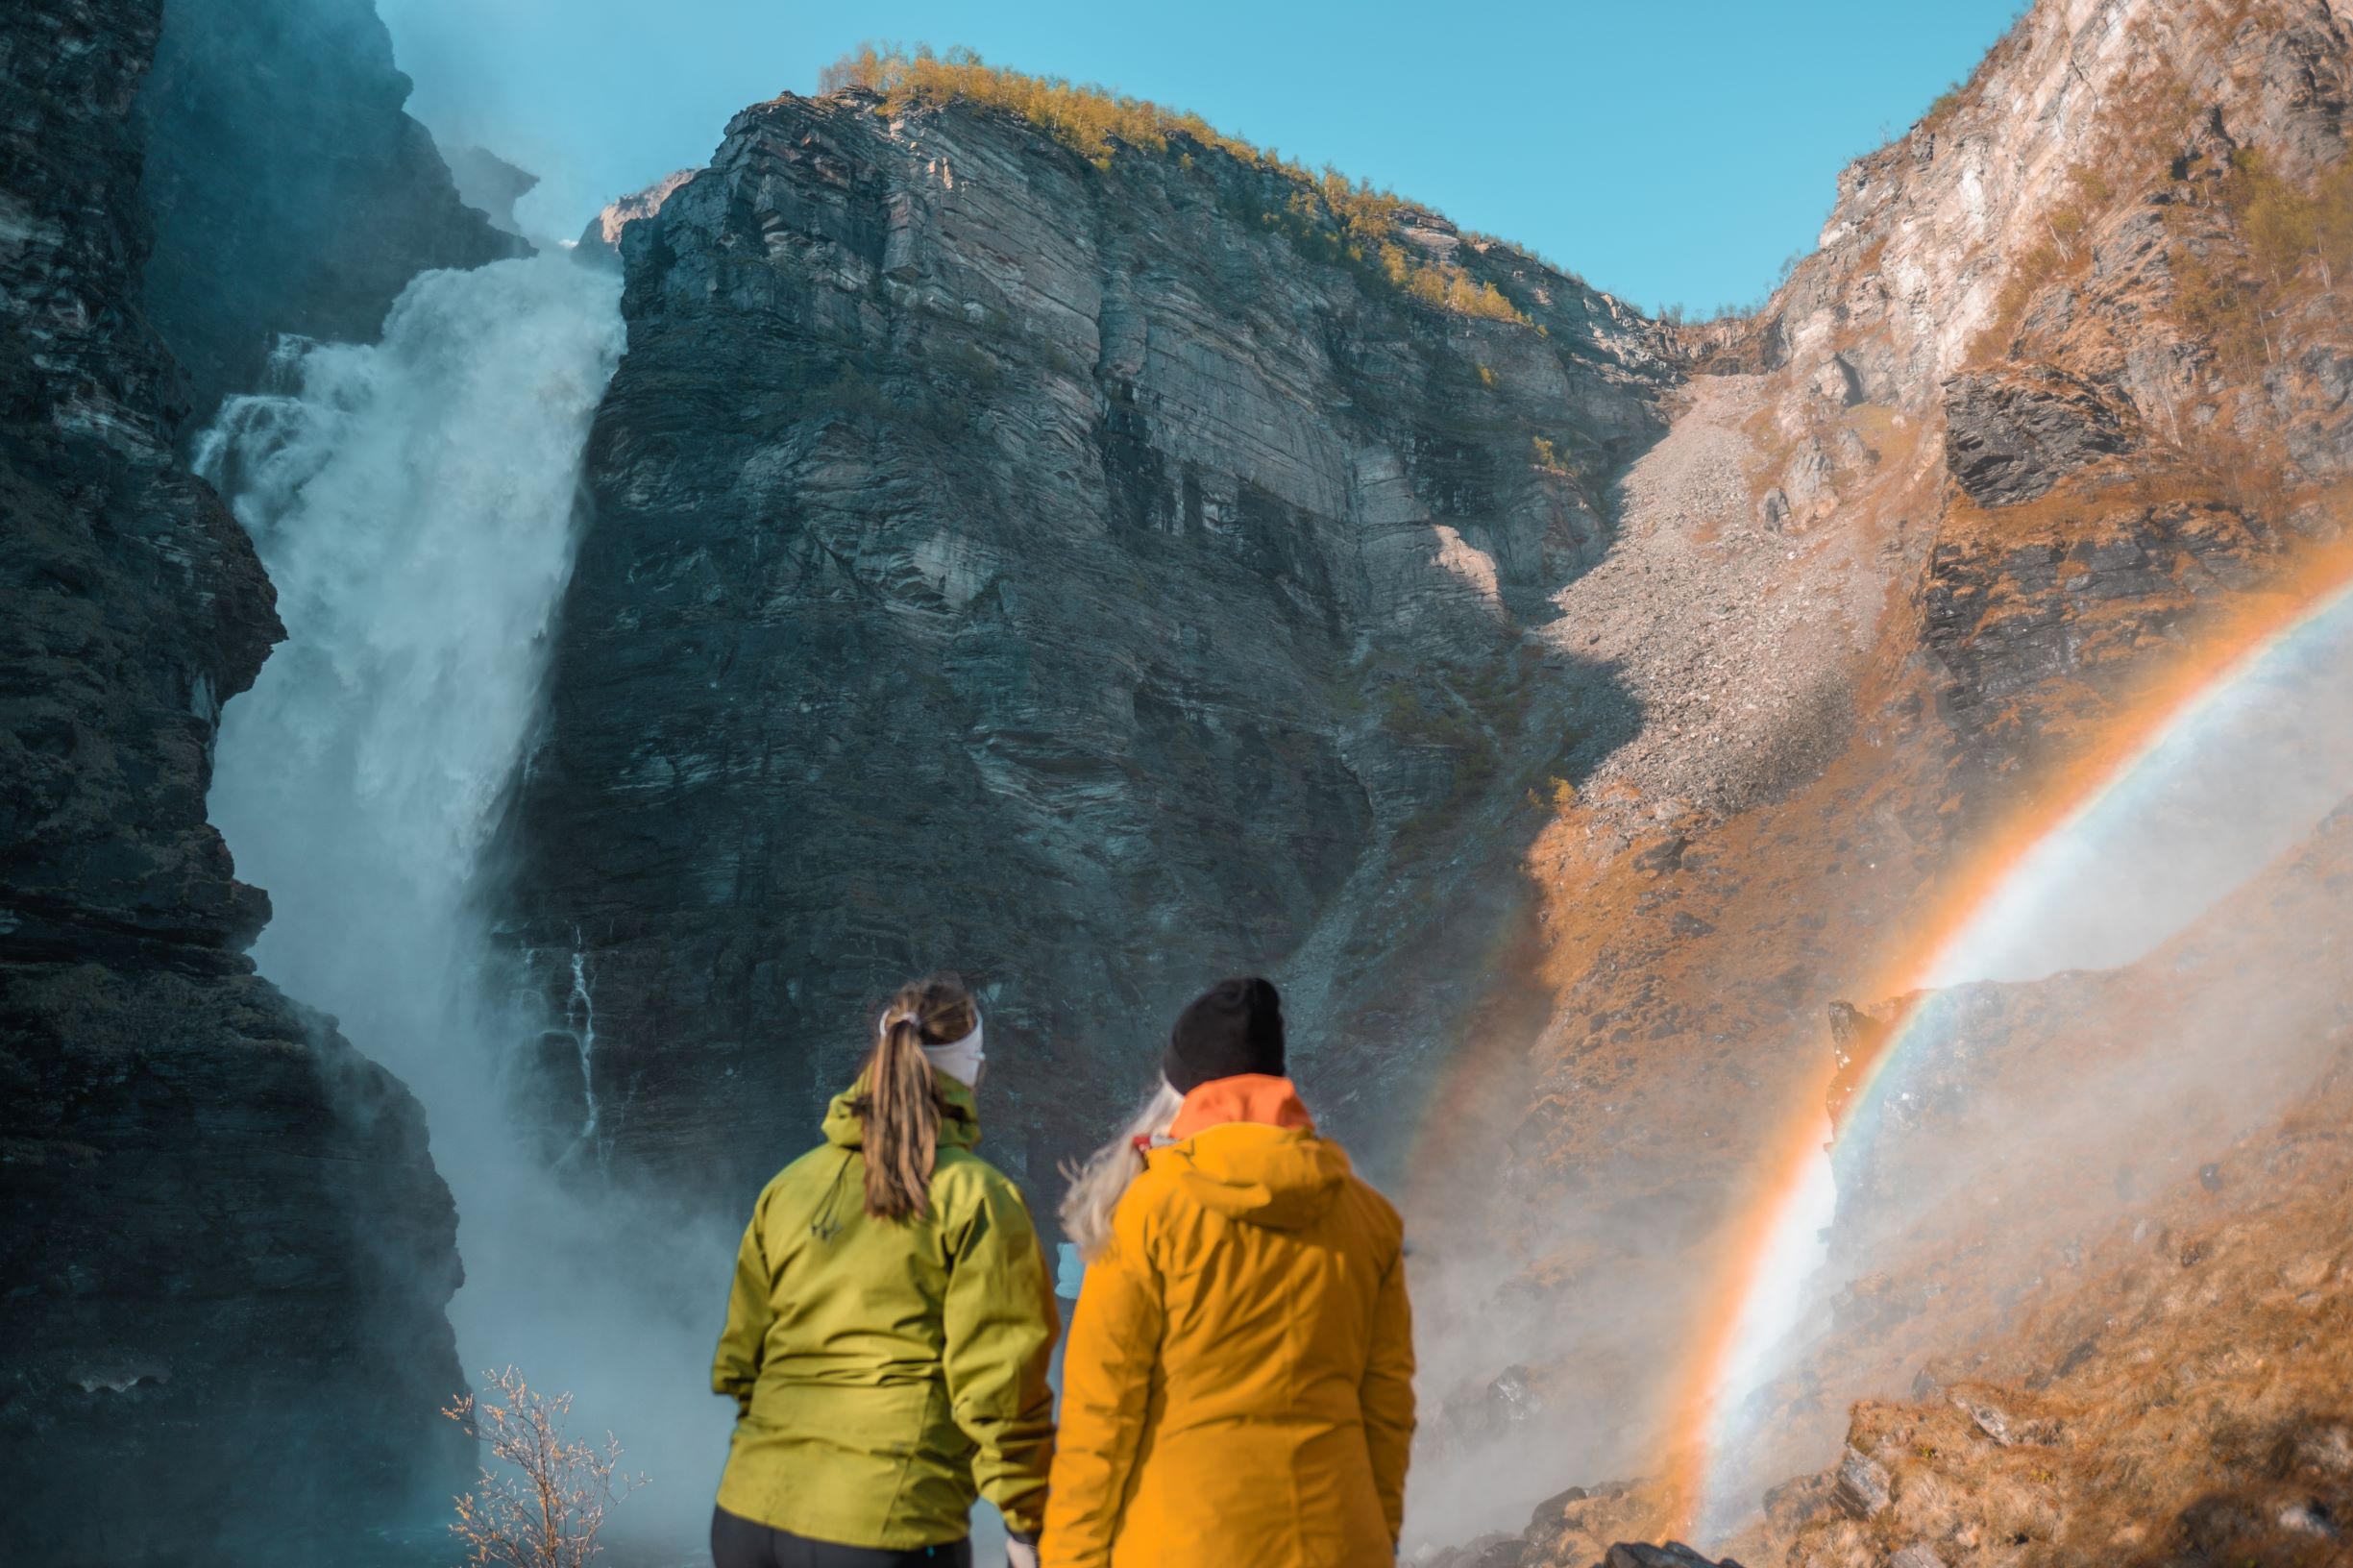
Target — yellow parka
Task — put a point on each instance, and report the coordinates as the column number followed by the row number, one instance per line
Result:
column 1238, row 1385
column 885, row 1371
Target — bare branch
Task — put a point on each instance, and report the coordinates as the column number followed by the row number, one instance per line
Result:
column 542, row 1502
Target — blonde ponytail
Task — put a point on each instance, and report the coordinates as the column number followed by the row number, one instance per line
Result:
column 898, row 1100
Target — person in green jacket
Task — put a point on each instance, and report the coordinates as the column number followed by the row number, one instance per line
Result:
column 890, row 1326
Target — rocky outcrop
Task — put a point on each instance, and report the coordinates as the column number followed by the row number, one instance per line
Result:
column 2045, row 405
column 227, row 1248
column 289, row 193
column 601, row 240
column 489, row 185
column 1079, row 572
column 2013, row 433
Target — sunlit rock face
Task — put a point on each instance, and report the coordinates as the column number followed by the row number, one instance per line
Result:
column 2046, row 406
column 225, row 1246
column 1045, row 568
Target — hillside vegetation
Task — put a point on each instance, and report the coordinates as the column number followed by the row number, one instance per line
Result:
column 1326, row 215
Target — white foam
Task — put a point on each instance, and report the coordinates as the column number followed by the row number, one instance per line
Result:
column 414, row 502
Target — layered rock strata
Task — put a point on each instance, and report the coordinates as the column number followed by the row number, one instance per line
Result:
column 1079, row 572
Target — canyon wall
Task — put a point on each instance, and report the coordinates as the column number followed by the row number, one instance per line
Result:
column 228, row 1250
column 1076, row 567
column 2053, row 397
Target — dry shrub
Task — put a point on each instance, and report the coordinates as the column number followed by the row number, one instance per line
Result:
column 2281, row 245
column 1328, row 215
column 543, row 1501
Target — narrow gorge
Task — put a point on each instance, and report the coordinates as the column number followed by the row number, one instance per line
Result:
column 1806, row 850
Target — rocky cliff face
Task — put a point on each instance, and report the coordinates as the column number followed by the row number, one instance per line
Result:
column 1079, row 572
column 2050, row 396
column 227, row 1248
column 290, row 191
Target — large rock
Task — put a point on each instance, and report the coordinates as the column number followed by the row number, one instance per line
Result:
column 1669, row 1554
column 226, row 1248
column 1055, row 570
column 2012, row 434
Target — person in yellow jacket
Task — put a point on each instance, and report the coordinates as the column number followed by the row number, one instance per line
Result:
column 890, row 1326
column 1238, row 1391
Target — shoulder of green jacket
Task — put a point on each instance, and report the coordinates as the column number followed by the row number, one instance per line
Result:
column 959, row 1176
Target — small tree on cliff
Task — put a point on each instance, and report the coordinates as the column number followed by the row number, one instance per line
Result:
column 543, row 1500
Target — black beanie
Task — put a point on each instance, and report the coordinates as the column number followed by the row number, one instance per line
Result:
column 1234, row 1027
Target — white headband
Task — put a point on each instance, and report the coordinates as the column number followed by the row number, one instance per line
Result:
column 959, row 1059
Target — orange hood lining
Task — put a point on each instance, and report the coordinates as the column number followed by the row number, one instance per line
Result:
column 1249, row 1096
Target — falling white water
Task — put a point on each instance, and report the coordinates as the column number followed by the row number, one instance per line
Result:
column 580, row 1018
column 1782, row 1309
column 415, row 502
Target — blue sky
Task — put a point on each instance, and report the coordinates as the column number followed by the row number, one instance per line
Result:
column 1669, row 152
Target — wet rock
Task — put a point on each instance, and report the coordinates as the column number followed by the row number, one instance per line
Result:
column 1500, row 1552
column 1547, row 1516
column 1513, row 1397
column 1988, row 1419
column 2012, row 434
column 1916, row 1555
column 227, row 1251
column 1860, row 1491
column 1671, row 1555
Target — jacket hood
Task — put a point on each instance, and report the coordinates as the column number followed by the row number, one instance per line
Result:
column 958, row 1115
column 1282, row 1178
column 1244, row 1096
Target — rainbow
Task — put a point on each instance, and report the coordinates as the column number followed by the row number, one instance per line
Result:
column 2030, row 859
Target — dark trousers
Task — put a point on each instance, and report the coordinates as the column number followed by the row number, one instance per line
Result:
column 738, row 1543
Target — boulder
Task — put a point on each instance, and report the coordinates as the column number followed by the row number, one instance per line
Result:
column 1671, row 1555
column 2013, row 432
column 1860, row 1491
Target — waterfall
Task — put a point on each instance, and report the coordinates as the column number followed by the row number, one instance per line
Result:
column 580, row 1018
column 415, row 502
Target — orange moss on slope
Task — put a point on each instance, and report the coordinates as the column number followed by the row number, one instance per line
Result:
column 1326, row 214
column 2185, row 1398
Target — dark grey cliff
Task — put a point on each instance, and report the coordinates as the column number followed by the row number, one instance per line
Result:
column 288, row 190
column 224, row 1247
column 1080, row 574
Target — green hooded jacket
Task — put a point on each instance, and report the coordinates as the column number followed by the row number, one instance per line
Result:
column 886, row 1372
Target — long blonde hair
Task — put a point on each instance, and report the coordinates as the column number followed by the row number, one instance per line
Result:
column 898, row 1100
column 1097, row 1182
